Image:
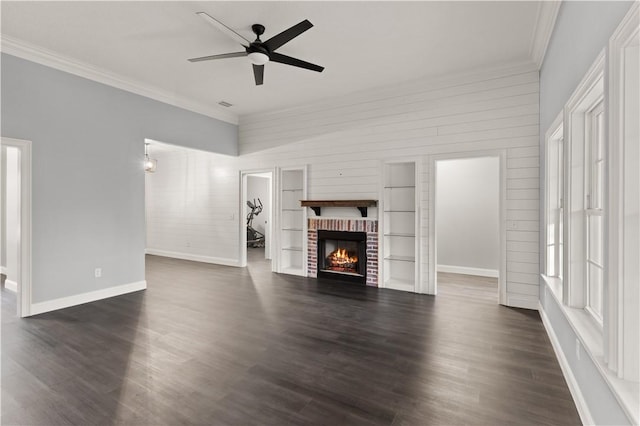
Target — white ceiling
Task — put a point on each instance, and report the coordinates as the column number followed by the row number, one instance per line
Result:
column 363, row 44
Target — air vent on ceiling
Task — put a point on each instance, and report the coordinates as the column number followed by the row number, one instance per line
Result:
column 225, row 104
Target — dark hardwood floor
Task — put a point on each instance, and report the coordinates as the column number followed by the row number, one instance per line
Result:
column 218, row 345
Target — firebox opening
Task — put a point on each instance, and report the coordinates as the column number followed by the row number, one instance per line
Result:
column 342, row 256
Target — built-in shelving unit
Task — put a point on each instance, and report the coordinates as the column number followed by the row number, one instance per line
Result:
column 292, row 223
column 400, row 226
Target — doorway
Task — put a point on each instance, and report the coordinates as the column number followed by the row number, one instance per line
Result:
column 257, row 210
column 15, row 192
column 468, row 247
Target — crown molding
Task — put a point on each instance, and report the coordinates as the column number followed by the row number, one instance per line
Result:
column 545, row 22
column 42, row 56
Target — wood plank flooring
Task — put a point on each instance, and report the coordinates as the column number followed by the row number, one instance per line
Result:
column 207, row 344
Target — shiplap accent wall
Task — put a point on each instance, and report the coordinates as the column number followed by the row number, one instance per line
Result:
column 344, row 142
column 192, row 206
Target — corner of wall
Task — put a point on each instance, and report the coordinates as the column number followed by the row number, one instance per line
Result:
column 79, row 299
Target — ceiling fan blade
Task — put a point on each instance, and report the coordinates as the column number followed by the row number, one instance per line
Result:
column 222, row 56
column 288, row 60
column 258, row 73
column 287, row 35
column 222, row 27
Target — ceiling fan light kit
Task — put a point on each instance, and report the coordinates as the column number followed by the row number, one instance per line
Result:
column 260, row 52
column 258, row 58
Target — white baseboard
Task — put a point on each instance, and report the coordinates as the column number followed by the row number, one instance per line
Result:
column 92, row 296
column 576, row 393
column 194, row 257
column 11, row 285
column 492, row 273
column 3, row 270
column 522, row 301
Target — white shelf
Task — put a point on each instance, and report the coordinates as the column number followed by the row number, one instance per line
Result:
column 292, row 271
column 400, row 284
column 400, row 226
column 401, row 258
column 400, row 235
column 292, row 257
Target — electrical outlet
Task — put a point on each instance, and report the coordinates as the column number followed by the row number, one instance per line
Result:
column 98, row 272
column 578, row 349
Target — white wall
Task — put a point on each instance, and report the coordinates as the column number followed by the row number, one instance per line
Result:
column 192, row 205
column 467, row 215
column 259, row 187
column 88, row 183
column 12, row 210
column 345, row 140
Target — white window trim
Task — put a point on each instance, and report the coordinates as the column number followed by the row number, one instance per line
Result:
column 622, row 298
column 550, row 135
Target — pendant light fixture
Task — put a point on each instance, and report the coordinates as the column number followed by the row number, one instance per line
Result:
column 149, row 164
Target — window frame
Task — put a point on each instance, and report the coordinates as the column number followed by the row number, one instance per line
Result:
column 588, row 95
column 594, row 150
column 554, row 146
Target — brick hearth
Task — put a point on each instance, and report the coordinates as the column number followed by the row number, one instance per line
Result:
column 350, row 225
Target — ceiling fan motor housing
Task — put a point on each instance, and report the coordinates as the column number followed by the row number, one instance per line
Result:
column 257, row 47
column 258, row 30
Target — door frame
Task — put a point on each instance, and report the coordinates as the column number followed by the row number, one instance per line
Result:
column 243, row 215
column 501, row 154
column 24, row 251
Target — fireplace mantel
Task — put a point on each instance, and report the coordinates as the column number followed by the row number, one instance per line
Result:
column 316, row 205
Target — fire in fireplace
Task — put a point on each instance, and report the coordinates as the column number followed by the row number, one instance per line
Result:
column 342, row 260
column 342, row 255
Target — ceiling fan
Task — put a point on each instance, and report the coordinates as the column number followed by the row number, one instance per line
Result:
column 260, row 52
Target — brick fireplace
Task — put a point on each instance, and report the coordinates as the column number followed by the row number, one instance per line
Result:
column 366, row 226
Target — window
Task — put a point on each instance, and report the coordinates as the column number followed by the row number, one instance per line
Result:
column 584, row 172
column 554, row 195
column 601, row 172
column 594, row 183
